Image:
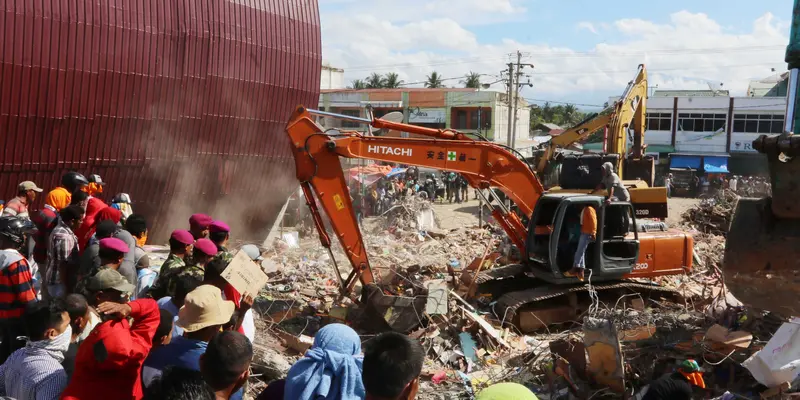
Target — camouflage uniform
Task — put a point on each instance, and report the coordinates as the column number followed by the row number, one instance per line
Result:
column 224, row 254
column 171, row 266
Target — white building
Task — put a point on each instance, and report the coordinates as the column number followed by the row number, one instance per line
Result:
column 332, row 78
column 722, row 126
column 691, row 124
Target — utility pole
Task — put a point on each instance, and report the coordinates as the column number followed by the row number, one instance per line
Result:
column 510, row 114
column 516, row 100
column 517, row 87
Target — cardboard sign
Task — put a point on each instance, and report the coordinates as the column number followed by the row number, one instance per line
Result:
column 245, row 275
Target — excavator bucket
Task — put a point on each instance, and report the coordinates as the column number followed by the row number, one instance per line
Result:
column 762, row 254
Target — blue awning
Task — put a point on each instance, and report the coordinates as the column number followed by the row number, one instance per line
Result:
column 692, row 162
column 716, row 165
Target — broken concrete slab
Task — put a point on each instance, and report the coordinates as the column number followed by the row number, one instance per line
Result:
column 437, row 301
column 737, row 339
column 605, row 354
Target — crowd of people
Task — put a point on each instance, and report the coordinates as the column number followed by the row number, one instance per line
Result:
column 83, row 316
column 378, row 197
column 708, row 185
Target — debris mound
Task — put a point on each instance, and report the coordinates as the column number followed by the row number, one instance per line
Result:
column 713, row 215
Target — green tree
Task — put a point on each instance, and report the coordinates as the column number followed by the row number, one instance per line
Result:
column 357, row 84
column 565, row 116
column 472, row 80
column 392, row 81
column 375, row 81
column 434, row 81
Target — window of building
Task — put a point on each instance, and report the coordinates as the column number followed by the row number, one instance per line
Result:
column 351, row 113
column 659, row 121
column 701, row 122
column 758, row 123
column 480, row 119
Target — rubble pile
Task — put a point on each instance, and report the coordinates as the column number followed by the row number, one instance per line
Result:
column 712, row 215
column 470, row 347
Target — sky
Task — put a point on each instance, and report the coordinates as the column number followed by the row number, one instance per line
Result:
column 582, row 51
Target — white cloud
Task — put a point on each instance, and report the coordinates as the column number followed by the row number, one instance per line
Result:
column 587, row 26
column 685, row 52
column 467, row 12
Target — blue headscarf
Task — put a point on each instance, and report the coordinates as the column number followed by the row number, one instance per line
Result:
column 331, row 368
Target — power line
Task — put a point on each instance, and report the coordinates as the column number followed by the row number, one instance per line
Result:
column 573, row 54
column 608, row 72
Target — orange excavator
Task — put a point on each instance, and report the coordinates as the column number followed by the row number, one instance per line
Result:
column 625, row 248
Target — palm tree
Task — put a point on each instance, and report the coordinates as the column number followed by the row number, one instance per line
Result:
column 375, row 81
column 392, row 80
column 358, row 84
column 434, row 81
column 570, row 114
column 472, row 80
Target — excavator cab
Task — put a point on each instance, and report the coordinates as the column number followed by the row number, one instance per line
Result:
column 557, row 222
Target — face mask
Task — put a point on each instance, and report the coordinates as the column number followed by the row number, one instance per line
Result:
column 61, row 342
column 56, row 346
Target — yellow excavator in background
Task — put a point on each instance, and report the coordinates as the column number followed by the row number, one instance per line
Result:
column 581, row 173
column 761, row 265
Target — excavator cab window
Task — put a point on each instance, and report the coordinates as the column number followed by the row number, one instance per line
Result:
column 541, row 227
column 620, row 240
column 613, row 253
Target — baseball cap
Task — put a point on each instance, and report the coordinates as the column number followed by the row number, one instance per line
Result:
column 200, row 220
column 205, row 246
column 219, row 226
column 204, row 307
column 28, row 185
column 114, row 244
column 108, row 278
column 182, row 236
column 96, row 179
column 252, row 251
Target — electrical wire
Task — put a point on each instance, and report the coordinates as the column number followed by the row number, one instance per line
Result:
column 575, row 54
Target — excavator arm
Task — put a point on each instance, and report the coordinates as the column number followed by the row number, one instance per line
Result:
column 629, row 112
column 317, row 160
column 572, row 135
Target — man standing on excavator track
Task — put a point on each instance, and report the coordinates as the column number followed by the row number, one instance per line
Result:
column 588, row 235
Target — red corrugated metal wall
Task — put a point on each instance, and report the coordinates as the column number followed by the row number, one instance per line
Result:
column 181, row 104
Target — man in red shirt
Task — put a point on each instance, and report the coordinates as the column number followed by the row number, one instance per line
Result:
column 109, row 361
column 16, row 285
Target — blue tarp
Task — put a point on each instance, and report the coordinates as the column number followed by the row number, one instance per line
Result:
column 715, row 165
column 396, row 171
column 692, row 162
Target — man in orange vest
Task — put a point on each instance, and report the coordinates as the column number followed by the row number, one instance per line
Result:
column 588, row 235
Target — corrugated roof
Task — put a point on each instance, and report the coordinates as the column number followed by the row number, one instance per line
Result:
column 548, row 125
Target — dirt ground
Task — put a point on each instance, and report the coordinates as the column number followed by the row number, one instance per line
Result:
column 677, row 206
column 454, row 215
